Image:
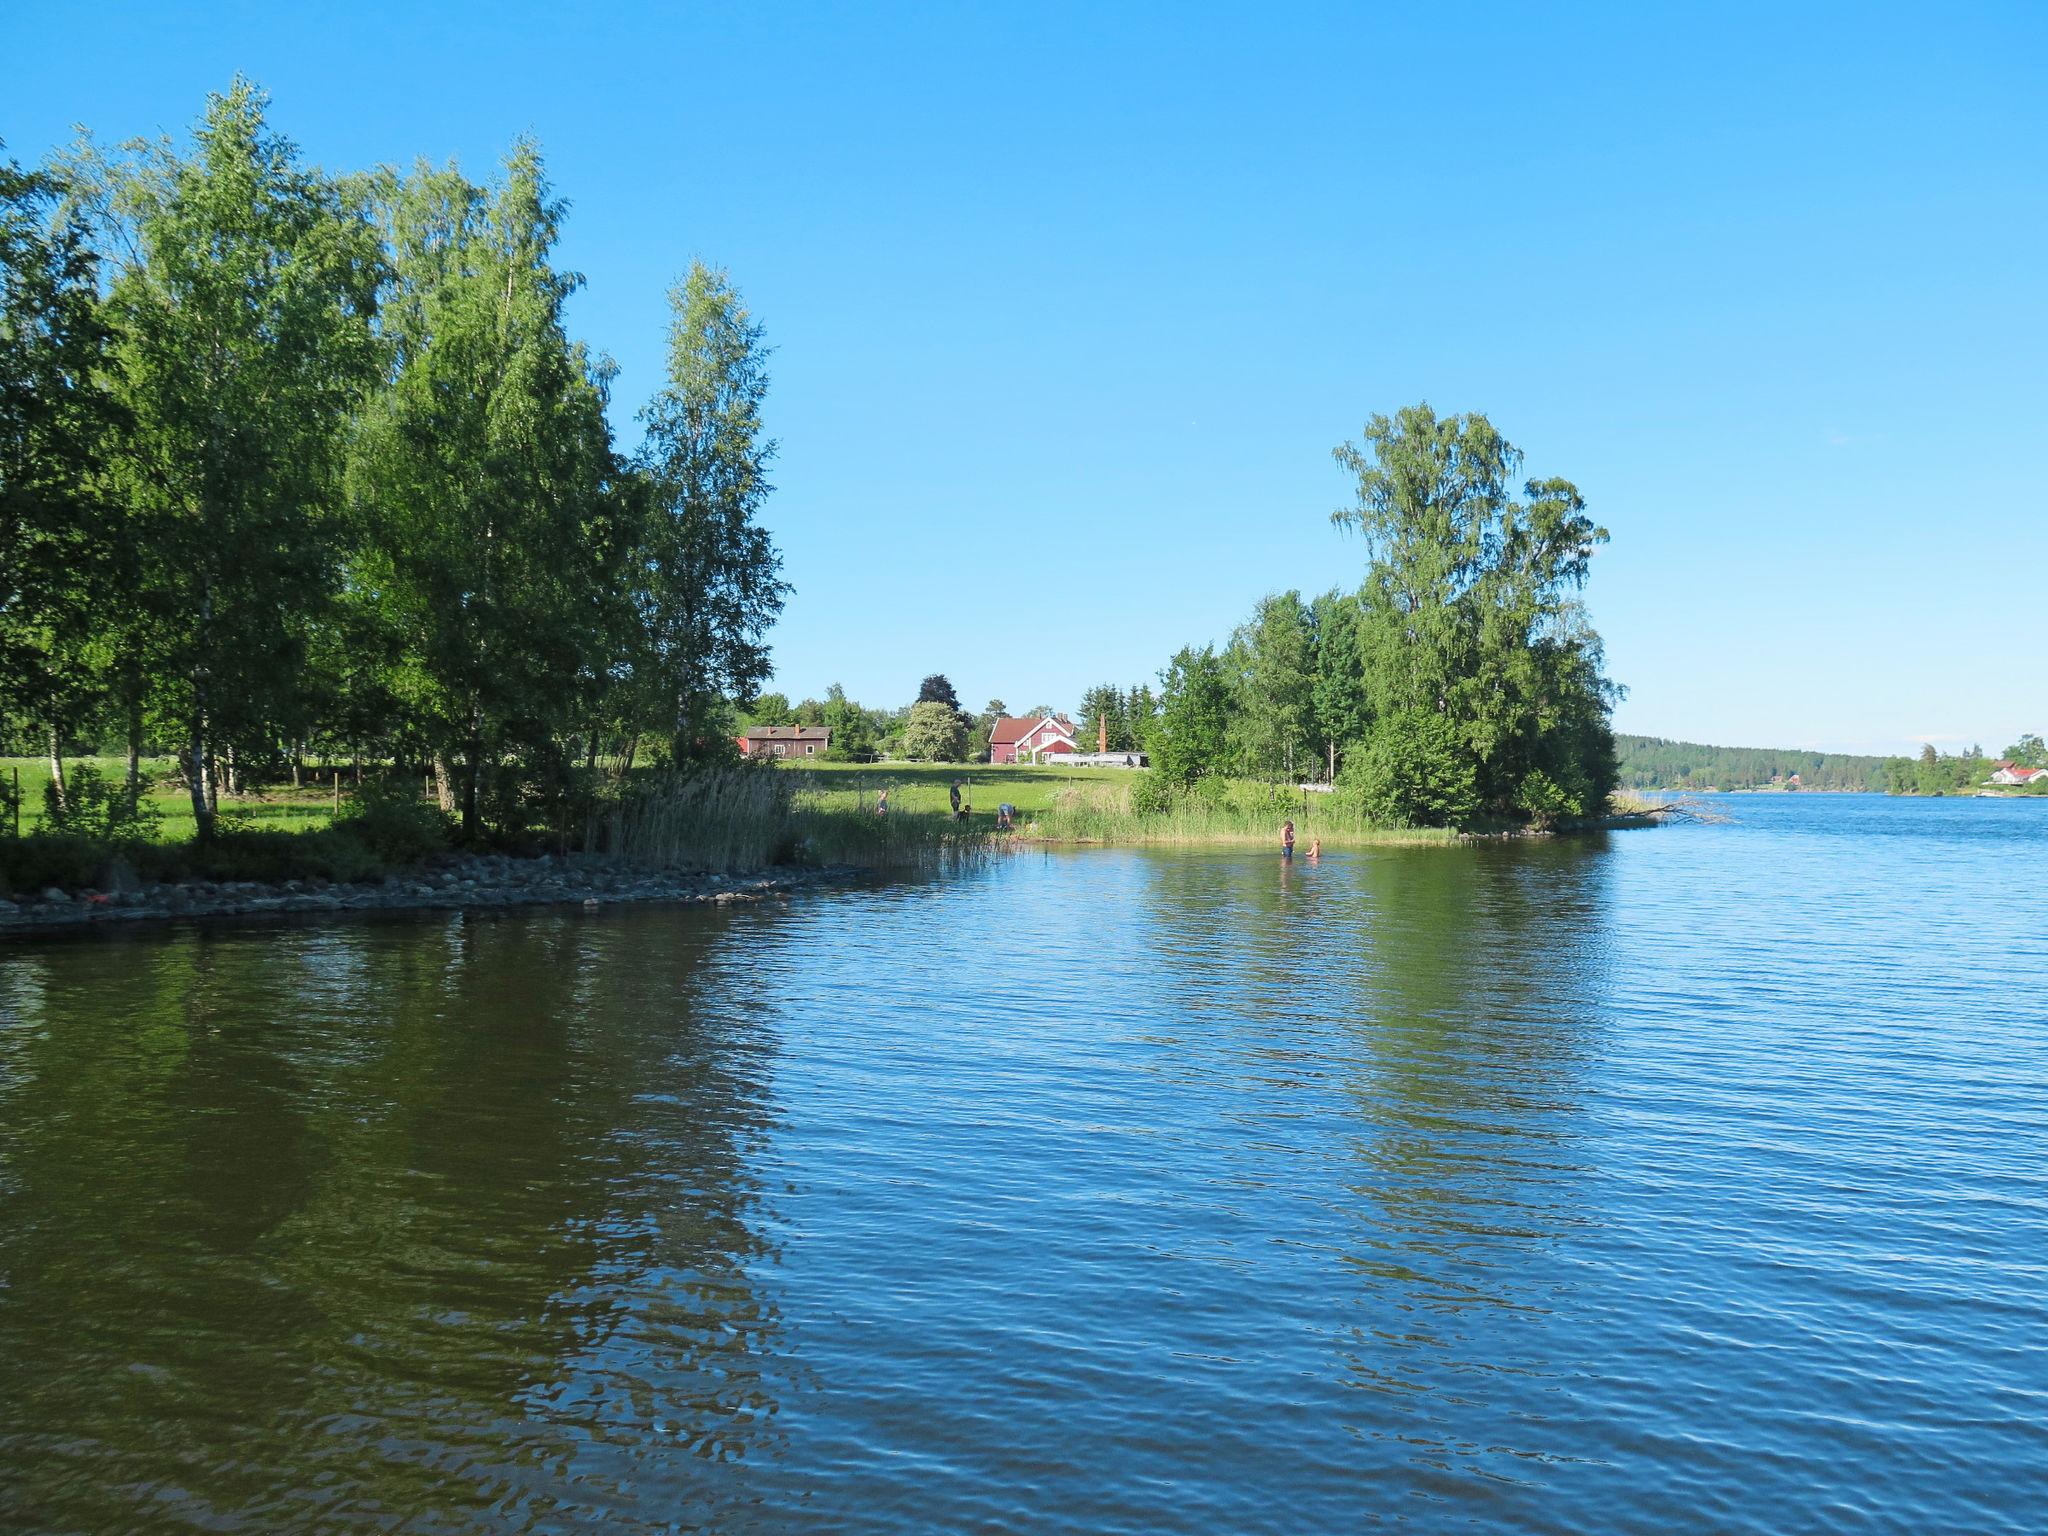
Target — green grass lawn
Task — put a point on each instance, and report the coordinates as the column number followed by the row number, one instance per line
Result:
column 275, row 809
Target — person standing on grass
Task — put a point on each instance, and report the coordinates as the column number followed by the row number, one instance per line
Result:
column 955, row 793
column 882, row 803
column 1287, row 841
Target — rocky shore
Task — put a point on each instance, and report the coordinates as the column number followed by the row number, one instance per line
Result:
column 476, row 882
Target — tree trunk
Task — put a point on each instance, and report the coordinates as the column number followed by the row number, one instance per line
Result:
column 472, row 787
column 56, row 769
column 199, row 776
column 632, row 746
column 298, row 764
column 444, row 783
column 134, row 743
column 232, row 773
column 590, row 754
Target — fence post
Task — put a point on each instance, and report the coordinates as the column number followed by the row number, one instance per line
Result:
column 337, row 791
column 17, row 802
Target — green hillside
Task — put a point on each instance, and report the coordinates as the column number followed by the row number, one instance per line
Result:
column 1650, row 762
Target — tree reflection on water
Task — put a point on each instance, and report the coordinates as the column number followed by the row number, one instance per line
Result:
column 420, row 1221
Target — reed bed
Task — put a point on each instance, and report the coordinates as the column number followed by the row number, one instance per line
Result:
column 1245, row 814
column 740, row 819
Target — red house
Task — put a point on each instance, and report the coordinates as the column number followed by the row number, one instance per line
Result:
column 785, row 741
column 1030, row 740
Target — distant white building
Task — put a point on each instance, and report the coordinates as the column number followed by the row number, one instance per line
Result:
column 2008, row 772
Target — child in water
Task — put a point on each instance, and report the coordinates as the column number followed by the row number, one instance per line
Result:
column 1315, row 849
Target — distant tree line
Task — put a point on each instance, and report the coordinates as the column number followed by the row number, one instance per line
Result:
column 1461, row 680
column 1650, row 762
column 293, row 462
column 1961, row 773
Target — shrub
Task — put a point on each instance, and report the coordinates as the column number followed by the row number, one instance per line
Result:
column 1540, row 798
column 97, row 810
column 67, row 860
column 1152, row 794
column 392, row 823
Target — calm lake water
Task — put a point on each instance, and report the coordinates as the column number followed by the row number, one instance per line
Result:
column 1682, row 1180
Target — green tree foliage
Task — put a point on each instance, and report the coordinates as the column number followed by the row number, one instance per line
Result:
column 1415, row 771
column 61, row 562
column 855, row 731
column 1272, row 659
column 288, row 460
column 713, row 587
column 2029, row 751
column 771, row 709
column 1650, row 762
column 1468, row 616
column 483, row 469
column 936, row 689
column 934, row 733
column 1938, row 773
column 1470, row 606
column 244, row 342
column 1190, row 740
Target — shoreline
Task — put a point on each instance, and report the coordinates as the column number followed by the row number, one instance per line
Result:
column 480, row 882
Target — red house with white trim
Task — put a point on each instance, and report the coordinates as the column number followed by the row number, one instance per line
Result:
column 1030, row 739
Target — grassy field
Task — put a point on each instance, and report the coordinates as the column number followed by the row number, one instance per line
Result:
column 281, row 810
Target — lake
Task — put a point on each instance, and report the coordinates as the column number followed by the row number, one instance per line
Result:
column 1688, row 1179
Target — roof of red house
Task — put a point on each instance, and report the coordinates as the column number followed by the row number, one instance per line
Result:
column 1014, row 728
column 787, row 733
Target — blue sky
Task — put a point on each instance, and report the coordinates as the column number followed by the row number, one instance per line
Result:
column 1071, row 302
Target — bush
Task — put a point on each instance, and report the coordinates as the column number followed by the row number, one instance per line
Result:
column 1540, row 798
column 390, row 821
column 238, row 854
column 1152, row 794
column 97, row 810
column 63, row 859
column 1415, row 771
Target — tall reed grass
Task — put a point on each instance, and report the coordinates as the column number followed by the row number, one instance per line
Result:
column 738, row 819
column 1226, row 814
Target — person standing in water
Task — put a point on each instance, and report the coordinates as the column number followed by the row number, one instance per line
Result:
column 1287, row 841
column 1315, row 849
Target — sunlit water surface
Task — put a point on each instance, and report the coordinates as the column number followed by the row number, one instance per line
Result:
column 1686, row 1180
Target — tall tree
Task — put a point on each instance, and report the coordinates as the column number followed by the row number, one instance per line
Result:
column 484, row 467
column 59, row 549
column 1272, row 659
column 1191, row 739
column 245, row 341
column 936, row 689
column 1343, row 711
column 713, row 584
column 1469, row 608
